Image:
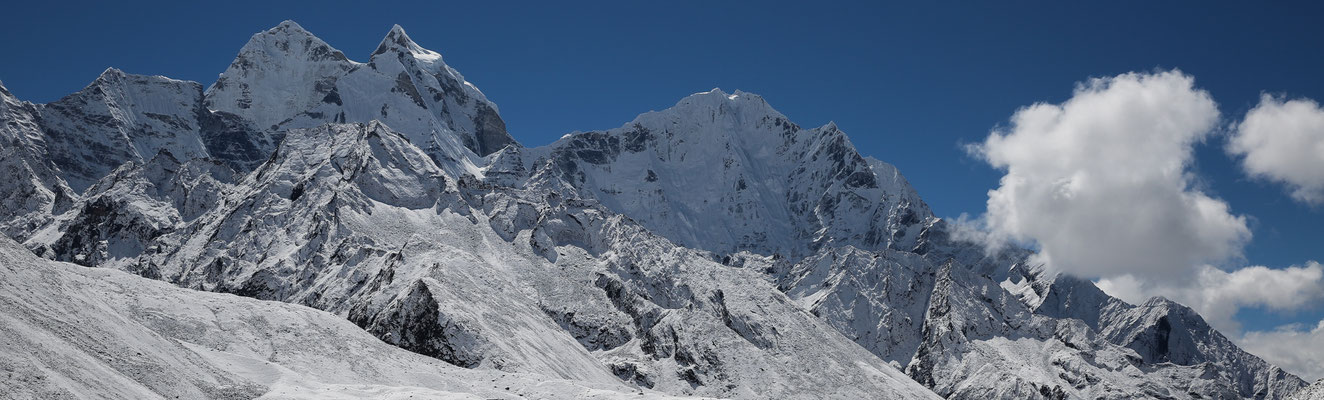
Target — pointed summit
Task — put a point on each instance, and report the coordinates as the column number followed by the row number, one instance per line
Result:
column 110, row 76
column 288, row 39
column 286, row 28
column 114, row 76
column 111, row 72
column 279, row 73
column 289, row 25
column 399, row 41
column 738, row 106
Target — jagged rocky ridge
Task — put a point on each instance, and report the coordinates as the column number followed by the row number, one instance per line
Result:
column 713, row 248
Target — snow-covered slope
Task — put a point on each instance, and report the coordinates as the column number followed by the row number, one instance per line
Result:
column 73, row 332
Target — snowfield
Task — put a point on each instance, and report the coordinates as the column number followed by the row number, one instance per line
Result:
column 77, row 332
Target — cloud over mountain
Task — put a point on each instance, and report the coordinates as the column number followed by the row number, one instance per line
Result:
column 1101, row 181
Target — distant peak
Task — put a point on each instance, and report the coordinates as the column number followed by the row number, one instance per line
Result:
column 1158, row 301
column 717, row 97
column 112, row 75
column 720, row 95
column 111, row 72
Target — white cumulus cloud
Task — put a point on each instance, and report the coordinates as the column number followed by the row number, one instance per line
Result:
column 1283, row 141
column 1100, row 182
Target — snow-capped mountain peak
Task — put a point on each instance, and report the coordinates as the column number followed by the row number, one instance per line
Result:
column 277, row 75
column 287, row 78
column 756, row 180
column 453, row 103
column 289, row 38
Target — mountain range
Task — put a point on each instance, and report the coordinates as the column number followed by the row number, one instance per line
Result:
column 253, row 237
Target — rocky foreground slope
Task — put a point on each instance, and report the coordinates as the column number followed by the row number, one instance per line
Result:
column 714, row 248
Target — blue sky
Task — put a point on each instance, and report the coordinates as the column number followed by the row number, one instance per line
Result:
column 909, row 83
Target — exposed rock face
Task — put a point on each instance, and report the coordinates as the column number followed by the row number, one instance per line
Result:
column 714, row 248
column 122, row 215
column 415, row 323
